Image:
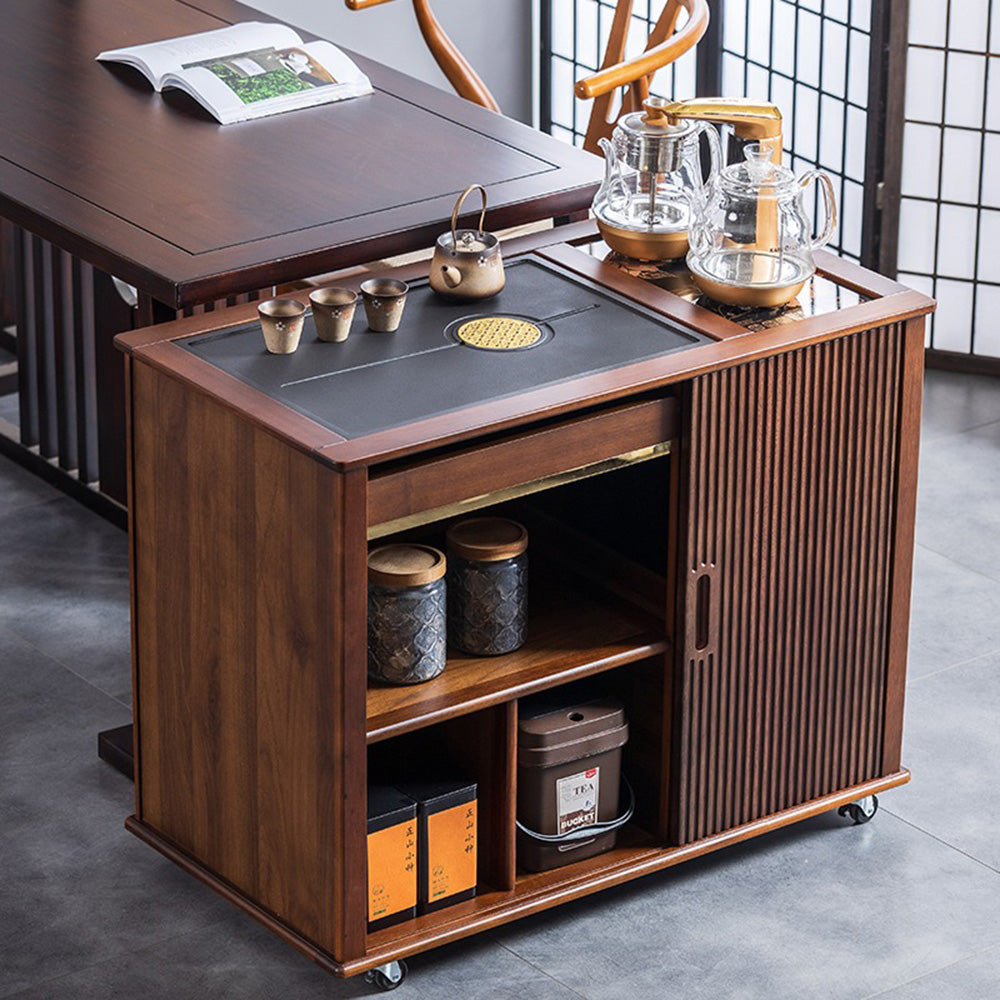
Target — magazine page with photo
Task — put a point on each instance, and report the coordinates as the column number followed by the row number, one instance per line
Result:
column 248, row 70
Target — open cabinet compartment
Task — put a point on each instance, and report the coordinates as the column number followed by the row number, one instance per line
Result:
column 599, row 591
column 482, row 746
column 601, row 555
column 643, row 689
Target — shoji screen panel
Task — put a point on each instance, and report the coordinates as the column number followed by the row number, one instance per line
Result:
column 950, row 210
column 811, row 58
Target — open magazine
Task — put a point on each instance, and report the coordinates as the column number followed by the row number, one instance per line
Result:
column 248, row 70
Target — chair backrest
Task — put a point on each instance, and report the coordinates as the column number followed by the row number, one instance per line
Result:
column 454, row 65
column 666, row 44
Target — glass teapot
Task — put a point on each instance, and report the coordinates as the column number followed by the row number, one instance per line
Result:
column 652, row 182
column 752, row 242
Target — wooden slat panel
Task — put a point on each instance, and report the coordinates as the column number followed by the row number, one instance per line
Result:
column 64, row 361
column 8, row 274
column 27, row 350
column 84, row 368
column 792, row 481
column 45, row 342
column 111, row 316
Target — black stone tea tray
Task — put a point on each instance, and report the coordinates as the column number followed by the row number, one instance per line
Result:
column 375, row 381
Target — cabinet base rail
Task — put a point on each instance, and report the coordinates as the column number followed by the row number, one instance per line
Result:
column 513, row 905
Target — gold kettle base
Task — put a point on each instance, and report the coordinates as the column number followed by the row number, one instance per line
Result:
column 759, row 297
column 760, row 279
column 644, row 246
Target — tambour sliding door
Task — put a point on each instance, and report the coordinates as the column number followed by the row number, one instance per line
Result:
column 788, row 673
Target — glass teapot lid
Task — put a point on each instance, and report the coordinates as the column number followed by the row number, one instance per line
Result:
column 758, row 175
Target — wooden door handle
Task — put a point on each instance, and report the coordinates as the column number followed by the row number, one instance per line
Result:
column 702, row 611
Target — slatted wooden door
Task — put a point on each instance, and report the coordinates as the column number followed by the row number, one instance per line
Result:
column 789, row 584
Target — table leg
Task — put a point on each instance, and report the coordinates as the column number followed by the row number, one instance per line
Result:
column 112, row 315
column 114, row 746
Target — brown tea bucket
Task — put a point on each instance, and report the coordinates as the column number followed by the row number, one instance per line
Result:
column 569, row 782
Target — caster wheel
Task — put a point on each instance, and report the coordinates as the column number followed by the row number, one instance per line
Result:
column 387, row 977
column 861, row 811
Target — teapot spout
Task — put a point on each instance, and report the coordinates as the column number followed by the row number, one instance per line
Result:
column 452, row 276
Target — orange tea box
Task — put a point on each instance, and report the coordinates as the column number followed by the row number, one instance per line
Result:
column 392, row 856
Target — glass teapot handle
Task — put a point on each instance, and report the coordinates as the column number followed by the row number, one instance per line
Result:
column 613, row 188
column 699, row 236
column 714, row 152
column 829, row 205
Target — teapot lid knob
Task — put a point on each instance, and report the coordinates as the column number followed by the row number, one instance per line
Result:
column 763, row 150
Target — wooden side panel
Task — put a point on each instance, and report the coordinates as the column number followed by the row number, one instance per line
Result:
column 908, row 447
column 793, row 466
column 250, row 669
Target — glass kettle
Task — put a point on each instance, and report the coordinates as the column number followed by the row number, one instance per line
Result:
column 752, row 243
column 652, row 182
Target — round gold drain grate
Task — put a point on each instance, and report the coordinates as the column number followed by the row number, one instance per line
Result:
column 498, row 333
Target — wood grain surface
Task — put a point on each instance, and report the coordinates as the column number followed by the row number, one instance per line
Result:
column 759, row 643
column 791, row 501
column 571, row 634
column 250, row 662
column 152, row 189
column 519, row 458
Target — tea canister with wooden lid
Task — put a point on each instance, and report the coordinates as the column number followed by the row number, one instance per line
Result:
column 407, row 620
column 487, row 585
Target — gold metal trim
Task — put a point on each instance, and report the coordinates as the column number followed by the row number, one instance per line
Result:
column 522, row 490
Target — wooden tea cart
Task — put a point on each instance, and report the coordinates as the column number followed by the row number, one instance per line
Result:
column 721, row 512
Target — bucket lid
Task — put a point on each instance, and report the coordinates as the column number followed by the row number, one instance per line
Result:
column 405, row 565
column 555, row 736
column 487, row 539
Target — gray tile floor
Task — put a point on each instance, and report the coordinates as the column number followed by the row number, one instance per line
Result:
column 905, row 908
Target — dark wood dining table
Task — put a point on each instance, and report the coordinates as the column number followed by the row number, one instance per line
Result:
column 103, row 177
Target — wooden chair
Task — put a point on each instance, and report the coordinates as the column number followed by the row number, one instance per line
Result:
column 633, row 76
column 454, row 65
column 666, row 44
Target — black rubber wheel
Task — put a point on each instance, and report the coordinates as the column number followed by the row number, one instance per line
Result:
column 857, row 814
column 384, row 983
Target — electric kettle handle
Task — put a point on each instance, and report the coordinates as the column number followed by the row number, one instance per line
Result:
column 458, row 205
column 829, row 205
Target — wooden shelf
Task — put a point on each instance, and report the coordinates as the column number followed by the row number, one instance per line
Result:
column 636, row 854
column 573, row 632
column 634, row 845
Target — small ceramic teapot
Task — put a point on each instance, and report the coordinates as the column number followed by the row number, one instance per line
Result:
column 467, row 264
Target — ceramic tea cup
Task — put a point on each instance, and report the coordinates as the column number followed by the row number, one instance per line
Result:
column 384, row 301
column 281, row 321
column 333, row 311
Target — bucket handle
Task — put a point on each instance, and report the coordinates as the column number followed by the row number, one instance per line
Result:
column 585, row 832
column 458, row 205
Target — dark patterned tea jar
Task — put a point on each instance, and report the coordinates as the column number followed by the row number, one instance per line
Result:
column 487, row 585
column 406, row 613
